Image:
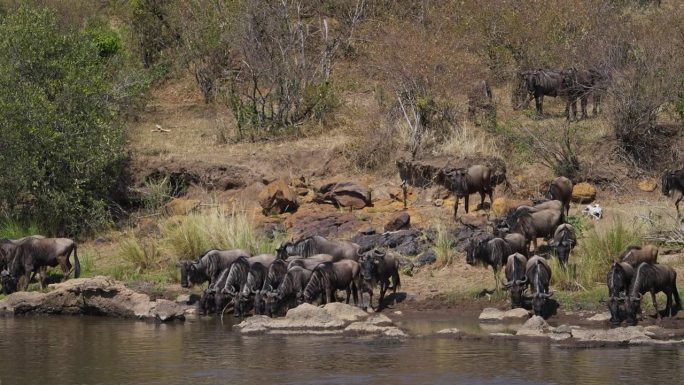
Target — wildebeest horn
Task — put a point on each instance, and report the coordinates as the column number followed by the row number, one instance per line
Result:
column 506, row 284
column 522, row 281
column 549, row 294
column 271, row 294
column 638, row 297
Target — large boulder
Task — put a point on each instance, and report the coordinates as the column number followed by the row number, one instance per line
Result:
column 648, row 185
column 626, row 334
column 277, row 198
column 534, row 327
column 344, row 194
column 398, row 221
column 405, row 242
column 331, row 223
column 181, row 206
column 476, row 219
column 583, row 193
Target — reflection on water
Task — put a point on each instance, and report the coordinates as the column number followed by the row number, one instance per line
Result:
column 88, row 350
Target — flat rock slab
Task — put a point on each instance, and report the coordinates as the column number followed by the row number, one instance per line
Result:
column 601, row 317
column 491, row 314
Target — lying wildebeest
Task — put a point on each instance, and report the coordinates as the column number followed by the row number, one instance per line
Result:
column 487, row 251
column 462, row 182
column 290, row 289
column 538, row 275
column 536, row 222
column 33, row 254
column 208, row 266
column 309, row 246
column 618, row 279
column 377, row 267
column 564, row 240
column 251, row 289
column 481, row 100
column 516, row 280
column 635, row 255
column 560, row 189
column 672, row 183
column 311, row 262
column 576, row 85
column 654, row 279
column 329, row 277
column 536, row 84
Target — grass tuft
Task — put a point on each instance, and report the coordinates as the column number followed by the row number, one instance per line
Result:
column 444, row 246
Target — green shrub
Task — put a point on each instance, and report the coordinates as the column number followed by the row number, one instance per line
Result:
column 444, row 246
column 13, row 230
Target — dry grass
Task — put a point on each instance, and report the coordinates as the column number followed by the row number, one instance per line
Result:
column 468, row 140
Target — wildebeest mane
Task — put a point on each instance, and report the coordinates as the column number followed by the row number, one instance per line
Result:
column 237, row 276
column 276, row 272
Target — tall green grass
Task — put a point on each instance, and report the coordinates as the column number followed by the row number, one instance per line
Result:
column 12, row 229
column 444, row 246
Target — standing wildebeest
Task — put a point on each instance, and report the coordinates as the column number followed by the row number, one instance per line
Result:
column 635, row 255
column 536, row 84
column 538, row 275
column 289, row 290
column 377, row 267
column 480, row 98
column 311, row 262
column 306, row 247
column 535, row 222
column 275, row 275
column 600, row 77
column 32, row 254
column 463, row 182
column 654, row 279
column 329, row 277
column 208, row 266
column 617, row 280
column 673, row 184
column 561, row 190
column 576, row 84
column 516, row 280
column 251, row 289
column 564, row 240
column 490, row 252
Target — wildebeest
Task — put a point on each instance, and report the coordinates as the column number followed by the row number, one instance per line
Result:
column 560, row 189
column 275, row 275
column 654, row 278
column 536, row 84
column 517, row 243
column 564, row 240
column 309, row 246
column 516, row 280
column 481, row 99
column 237, row 277
column 7, row 247
column 538, row 275
column 490, row 252
column 536, row 222
column 672, row 183
column 32, row 254
column 252, row 287
column 576, row 84
column 377, row 267
column 600, row 78
column 618, row 279
column 208, row 266
column 635, row 255
column 329, row 277
column 286, row 295
column 462, row 182
column 311, row 262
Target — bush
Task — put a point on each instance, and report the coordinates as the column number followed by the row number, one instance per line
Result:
column 444, row 246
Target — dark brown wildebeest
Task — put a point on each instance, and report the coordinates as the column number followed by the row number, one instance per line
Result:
column 33, row 254
column 377, row 267
column 600, row 78
column 672, row 184
column 536, row 84
column 237, row 277
column 329, row 277
column 285, row 296
column 255, row 281
column 654, row 279
column 462, row 182
column 208, row 266
column 538, row 275
column 618, row 279
column 560, row 189
column 576, row 85
column 535, row 222
column 275, row 275
column 564, row 240
column 488, row 251
column 635, row 255
column 309, row 246
column 481, row 101
column 516, row 280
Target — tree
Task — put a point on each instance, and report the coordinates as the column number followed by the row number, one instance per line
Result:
column 60, row 153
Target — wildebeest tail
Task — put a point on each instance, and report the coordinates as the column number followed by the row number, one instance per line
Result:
column 677, row 299
column 77, row 263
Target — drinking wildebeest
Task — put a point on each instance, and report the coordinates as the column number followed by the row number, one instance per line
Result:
column 34, row 254
column 275, row 275
column 560, row 189
column 654, row 278
column 516, row 279
column 538, row 275
column 564, row 240
column 329, row 277
column 618, row 279
column 311, row 262
column 673, row 184
column 7, row 247
column 576, row 85
column 237, row 277
column 286, row 295
column 536, row 84
column 481, row 100
column 636, row 255
column 535, row 222
column 488, row 251
column 462, row 182
column 208, row 266
column 377, row 267
column 309, row 246
column 251, row 289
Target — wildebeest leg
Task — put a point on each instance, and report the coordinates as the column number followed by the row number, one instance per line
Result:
column 677, row 204
column 583, row 106
column 655, row 304
column 65, row 265
column 668, row 306
column 355, row 294
column 597, row 101
column 383, row 289
column 539, row 103
column 456, row 208
column 348, row 290
column 482, row 199
column 465, row 202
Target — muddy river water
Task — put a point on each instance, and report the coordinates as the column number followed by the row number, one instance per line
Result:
column 90, row 350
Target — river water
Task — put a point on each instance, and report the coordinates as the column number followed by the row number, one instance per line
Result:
column 91, row 350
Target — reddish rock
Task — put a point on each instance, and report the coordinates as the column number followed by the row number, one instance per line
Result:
column 398, row 222
column 277, row 198
column 344, row 194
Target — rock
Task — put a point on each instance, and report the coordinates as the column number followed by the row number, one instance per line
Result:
column 563, row 329
column 346, row 312
column 438, row 202
column 648, row 185
column 476, row 219
column 327, row 224
column 94, row 296
column 626, row 334
column 427, row 258
column 277, row 198
column 344, row 194
column 307, row 317
column 491, row 314
column 502, row 206
column 405, row 242
column 600, row 317
column 583, row 193
column 464, row 235
column 398, row 312
column 183, row 299
column 534, row 327
column 560, row 336
column 366, row 328
column 516, row 314
column 450, row 331
column 181, row 206
column 398, row 222
column 380, row 320
column 440, row 192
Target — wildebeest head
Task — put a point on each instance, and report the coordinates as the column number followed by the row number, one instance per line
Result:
column 9, row 283
column 632, row 308
column 206, row 302
column 456, row 180
column 369, row 262
column 563, row 248
column 616, row 295
column 539, row 301
column 259, row 303
column 475, row 248
column 190, row 276
column 667, row 182
column 242, row 305
column 282, row 250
